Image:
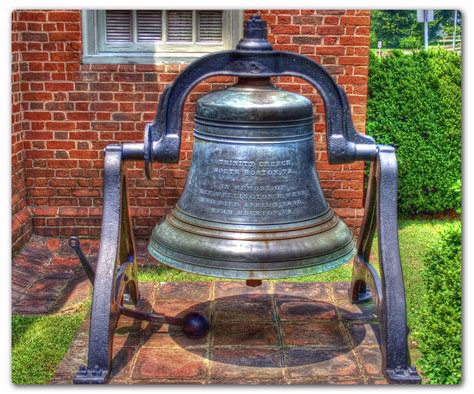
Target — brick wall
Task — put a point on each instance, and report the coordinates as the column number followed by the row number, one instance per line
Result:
column 65, row 113
column 21, row 216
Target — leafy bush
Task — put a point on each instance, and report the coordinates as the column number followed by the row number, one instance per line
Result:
column 410, row 42
column 415, row 105
column 456, row 195
column 439, row 328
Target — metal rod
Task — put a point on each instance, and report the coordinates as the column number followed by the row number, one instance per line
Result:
column 455, row 25
column 132, row 151
column 425, row 17
column 151, row 317
column 75, row 244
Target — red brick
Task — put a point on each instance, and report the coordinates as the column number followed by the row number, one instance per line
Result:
column 354, row 60
column 37, row 115
column 354, row 40
column 83, row 154
column 285, row 29
column 59, row 86
column 35, row 56
column 128, row 77
column 45, row 211
column 65, row 56
column 330, row 30
column 350, row 79
column 34, row 37
column 37, row 96
column 107, row 106
column 71, row 16
column 306, row 40
column 64, row 36
column 60, row 125
column 330, row 50
column 39, row 16
column 355, row 20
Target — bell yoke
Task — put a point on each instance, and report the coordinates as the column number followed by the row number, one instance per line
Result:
column 252, row 207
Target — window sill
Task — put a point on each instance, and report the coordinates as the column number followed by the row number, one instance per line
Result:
column 141, row 58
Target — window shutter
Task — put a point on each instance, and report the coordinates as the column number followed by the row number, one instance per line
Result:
column 149, row 25
column 209, row 26
column 118, row 25
column 180, row 25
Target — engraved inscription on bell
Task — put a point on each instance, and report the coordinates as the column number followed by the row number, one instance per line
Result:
column 266, row 184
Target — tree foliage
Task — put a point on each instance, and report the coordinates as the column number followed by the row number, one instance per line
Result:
column 395, row 28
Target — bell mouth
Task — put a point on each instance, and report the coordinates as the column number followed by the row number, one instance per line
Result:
column 258, row 274
column 289, row 252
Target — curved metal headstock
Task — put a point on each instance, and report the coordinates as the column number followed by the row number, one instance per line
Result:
column 254, row 57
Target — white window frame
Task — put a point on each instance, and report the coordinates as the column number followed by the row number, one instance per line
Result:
column 95, row 49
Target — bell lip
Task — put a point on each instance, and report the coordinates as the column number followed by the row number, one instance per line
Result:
column 311, row 269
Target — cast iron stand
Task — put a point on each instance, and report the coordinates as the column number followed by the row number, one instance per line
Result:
column 117, row 268
column 387, row 291
column 116, row 273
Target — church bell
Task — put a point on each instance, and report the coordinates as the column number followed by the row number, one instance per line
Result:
column 252, row 206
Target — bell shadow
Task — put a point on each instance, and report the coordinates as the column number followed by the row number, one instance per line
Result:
column 252, row 330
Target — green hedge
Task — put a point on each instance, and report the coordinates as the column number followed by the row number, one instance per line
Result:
column 415, row 104
column 439, row 328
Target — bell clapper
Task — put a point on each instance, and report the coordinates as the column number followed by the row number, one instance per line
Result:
column 253, row 282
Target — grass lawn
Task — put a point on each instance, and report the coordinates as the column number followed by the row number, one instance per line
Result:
column 39, row 343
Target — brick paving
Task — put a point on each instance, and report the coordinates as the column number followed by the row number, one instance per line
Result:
column 46, row 273
column 277, row 333
column 47, row 276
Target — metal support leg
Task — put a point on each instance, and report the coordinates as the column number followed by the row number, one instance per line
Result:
column 388, row 290
column 116, row 270
column 116, row 274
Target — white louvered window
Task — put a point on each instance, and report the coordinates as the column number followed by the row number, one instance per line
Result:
column 153, row 36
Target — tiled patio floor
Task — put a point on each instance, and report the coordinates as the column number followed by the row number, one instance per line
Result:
column 277, row 333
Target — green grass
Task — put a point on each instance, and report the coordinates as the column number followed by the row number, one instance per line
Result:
column 416, row 235
column 40, row 342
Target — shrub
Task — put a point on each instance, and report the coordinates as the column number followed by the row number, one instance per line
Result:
column 415, row 105
column 456, row 195
column 410, row 43
column 439, row 328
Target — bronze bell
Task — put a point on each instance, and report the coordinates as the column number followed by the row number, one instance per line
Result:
column 252, row 207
